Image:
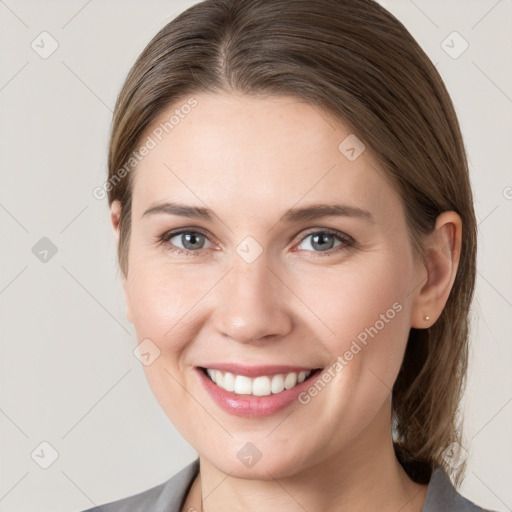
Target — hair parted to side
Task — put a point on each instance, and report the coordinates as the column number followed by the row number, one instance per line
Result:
column 356, row 61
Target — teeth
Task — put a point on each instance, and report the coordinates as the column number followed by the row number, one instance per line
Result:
column 243, row 385
column 259, row 386
column 277, row 384
column 229, row 382
column 290, row 380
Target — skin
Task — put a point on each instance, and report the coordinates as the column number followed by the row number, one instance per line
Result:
column 249, row 159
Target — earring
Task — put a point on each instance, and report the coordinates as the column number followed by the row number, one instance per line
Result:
column 427, row 318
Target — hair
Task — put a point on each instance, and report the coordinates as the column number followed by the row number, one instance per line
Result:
column 356, row 61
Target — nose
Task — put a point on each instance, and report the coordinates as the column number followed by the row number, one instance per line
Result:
column 252, row 303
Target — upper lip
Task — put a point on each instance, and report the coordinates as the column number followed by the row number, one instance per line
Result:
column 256, row 371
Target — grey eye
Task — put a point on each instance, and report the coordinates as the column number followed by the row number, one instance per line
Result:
column 189, row 240
column 320, row 241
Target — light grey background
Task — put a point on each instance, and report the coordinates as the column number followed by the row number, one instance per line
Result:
column 67, row 372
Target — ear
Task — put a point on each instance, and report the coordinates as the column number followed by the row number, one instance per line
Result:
column 115, row 218
column 437, row 273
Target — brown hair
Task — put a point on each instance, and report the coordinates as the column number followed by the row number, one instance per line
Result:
column 356, row 61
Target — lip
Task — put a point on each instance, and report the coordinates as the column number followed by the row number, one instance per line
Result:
column 250, row 406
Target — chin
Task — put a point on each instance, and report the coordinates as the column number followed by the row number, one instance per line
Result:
column 258, row 460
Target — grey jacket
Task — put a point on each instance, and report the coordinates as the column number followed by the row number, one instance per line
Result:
column 171, row 494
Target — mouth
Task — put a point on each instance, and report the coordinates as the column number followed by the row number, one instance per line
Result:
column 255, row 391
column 260, row 385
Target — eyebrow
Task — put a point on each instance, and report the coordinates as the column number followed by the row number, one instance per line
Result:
column 292, row 215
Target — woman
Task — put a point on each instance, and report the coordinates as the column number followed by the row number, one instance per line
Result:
column 290, row 192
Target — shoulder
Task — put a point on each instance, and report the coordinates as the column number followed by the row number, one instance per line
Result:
column 443, row 497
column 165, row 497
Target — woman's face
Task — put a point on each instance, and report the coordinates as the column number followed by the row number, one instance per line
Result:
column 282, row 248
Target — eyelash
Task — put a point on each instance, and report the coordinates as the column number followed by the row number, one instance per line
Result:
column 347, row 242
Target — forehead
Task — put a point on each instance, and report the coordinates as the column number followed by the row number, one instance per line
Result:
column 248, row 153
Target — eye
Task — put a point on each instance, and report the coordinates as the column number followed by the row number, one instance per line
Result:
column 325, row 241
column 186, row 241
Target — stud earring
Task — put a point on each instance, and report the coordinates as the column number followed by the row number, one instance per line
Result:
column 427, row 318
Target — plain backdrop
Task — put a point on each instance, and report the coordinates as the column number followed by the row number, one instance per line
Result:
column 68, row 375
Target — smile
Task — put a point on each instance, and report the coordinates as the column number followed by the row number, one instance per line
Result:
column 254, row 391
column 262, row 385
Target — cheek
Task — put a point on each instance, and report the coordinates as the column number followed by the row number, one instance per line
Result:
column 160, row 300
column 366, row 310
column 162, row 307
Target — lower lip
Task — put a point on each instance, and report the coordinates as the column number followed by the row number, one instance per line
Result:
column 253, row 406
